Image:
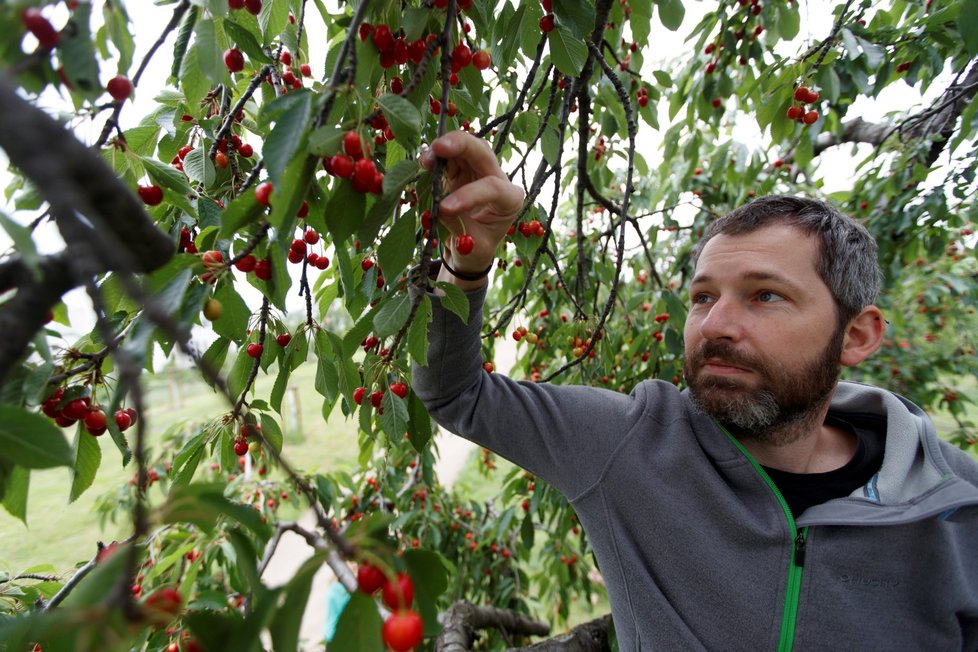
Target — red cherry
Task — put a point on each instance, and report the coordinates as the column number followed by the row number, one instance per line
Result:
column 342, row 166
column 151, row 195
column 794, row 112
column 358, row 395
column 547, row 5
column 435, row 106
column 399, row 592
column 119, row 87
column 305, row 70
column 352, row 145
column 212, row 258
column 801, row 94
column 366, row 264
column 122, row 419
column 369, row 578
column 376, row 398
column 464, row 244
column 547, row 23
column 95, row 422
column 75, row 409
column 283, row 339
column 246, row 150
column 131, row 411
column 462, row 55
column 166, row 599
column 286, row 57
column 403, row 631
column 481, row 60
column 812, row 96
column 263, row 192
column 255, row 350
column 263, row 269
column 253, row 6
column 294, row 256
column 246, row 263
column 234, row 60
column 39, row 26
column 399, row 389
column 383, row 38
column 397, row 86
column 236, row 4
column 240, row 446
column 311, row 236
column 810, row 118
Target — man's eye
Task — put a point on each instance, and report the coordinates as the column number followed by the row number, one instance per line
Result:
column 769, row 297
column 701, row 299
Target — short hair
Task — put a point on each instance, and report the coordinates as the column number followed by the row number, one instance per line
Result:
column 847, row 253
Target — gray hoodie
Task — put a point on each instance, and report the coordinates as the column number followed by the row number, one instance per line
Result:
column 697, row 547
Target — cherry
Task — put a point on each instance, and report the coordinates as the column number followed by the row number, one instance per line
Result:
column 294, row 256
column 311, row 236
column 403, row 630
column 397, row 86
column 286, row 58
column 461, row 55
column 399, row 592
column 352, row 145
column 369, row 578
column 464, row 244
column 39, row 26
column 119, row 87
column 166, row 599
column 283, row 339
column 213, row 310
column 263, row 192
column 236, row 4
column 246, row 150
column 801, row 94
column 810, row 118
column 399, row 389
column 240, row 446
column 253, row 6
column 95, row 422
column 481, row 60
column 547, row 23
column 234, row 60
column 263, row 269
column 122, row 420
column 305, row 70
column 342, row 166
column 383, row 38
column 151, row 195
column 212, row 258
column 795, row 112
column 376, row 398
column 255, row 350
column 75, row 409
column 547, row 6
column 221, row 160
column 358, row 395
column 435, row 106
column 131, row 411
column 246, row 263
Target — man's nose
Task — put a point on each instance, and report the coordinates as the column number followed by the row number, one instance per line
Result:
column 726, row 320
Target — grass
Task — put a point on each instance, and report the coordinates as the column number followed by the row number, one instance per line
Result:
column 61, row 535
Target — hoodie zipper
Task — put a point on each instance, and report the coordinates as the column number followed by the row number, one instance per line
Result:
column 789, row 616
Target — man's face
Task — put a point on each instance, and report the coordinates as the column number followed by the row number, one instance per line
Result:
column 762, row 340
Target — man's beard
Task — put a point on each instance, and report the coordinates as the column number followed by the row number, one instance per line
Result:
column 779, row 406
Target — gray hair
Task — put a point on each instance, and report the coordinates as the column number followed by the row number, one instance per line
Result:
column 846, row 260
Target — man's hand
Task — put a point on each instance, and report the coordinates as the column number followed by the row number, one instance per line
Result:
column 479, row 195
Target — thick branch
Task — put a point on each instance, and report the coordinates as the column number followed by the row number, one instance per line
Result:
column 462, row 620
column 591, row 636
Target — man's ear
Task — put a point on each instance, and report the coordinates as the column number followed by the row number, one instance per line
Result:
column 863, row 336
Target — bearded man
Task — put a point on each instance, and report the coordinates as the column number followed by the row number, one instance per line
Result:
column 769, row 506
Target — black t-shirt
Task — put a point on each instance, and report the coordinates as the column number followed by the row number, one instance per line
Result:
column 803, row 490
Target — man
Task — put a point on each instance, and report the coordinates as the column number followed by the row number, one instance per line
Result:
column 770, row 506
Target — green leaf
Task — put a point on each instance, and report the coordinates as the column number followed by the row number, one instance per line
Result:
column 194, row 85
column 641, row 22
column 968, row 26
column 166, row 176
column 246, row 42
column 203, row 504
column 287, row 136
column 419, row 425
column 400, row 175
column 22, row 241
column 576, row 15
column 325, row 141
column 359, row 626
column 271, row 432
column 199, row 167
column 429, row 571
column 280, row 386
column 32, row 440
column 88, row 457
column 14, row 487
column 273, row 18
column 567, row 51
column 76, row 51
column 671, row 13
column 210, row 56
column 392, row 315
column 240, row 371
column 417, row 339
column 454, row 300
column 288, row 618
column 394, row 419
column 233, row 322
column 403, row 117
column 397, row 248
column 243, row 210
column 344, row 211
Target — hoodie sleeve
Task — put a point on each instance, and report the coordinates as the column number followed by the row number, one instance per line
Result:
column 563, row 434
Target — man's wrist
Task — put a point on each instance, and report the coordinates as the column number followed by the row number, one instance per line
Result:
column 465, row 279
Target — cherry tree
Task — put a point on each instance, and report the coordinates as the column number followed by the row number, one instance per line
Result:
column 254, row 177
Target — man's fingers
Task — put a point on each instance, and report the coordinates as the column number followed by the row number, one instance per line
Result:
column 465, row 150
column 489, row 195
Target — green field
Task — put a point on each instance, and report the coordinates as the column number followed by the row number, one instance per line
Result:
column 61, row 535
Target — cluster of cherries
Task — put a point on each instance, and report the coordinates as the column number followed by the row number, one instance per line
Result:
column 403, row 630
column 354, row 163
column 67, row 413
column 803, row 95
column 376, row 397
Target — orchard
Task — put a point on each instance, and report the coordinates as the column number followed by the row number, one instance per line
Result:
column 275, row 165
